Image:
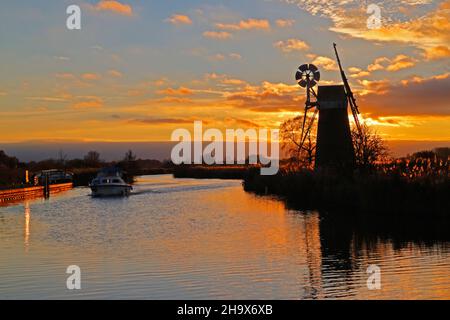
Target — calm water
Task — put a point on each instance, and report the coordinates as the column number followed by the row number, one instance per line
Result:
column 195, row 239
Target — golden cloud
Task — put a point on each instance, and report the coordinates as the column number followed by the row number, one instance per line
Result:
column 178, row 19
column 115, row 73
column 291, row 45
column 115, row 7
column 378, row 64
column 285, row 23
column 182, row 91
column 401, row 62
column 217, row 35
column 426, row 32
column 325, row 62
column 245, row 25
column 436, row 53
column 88, row 102
column 414, row 96
column 91, row 76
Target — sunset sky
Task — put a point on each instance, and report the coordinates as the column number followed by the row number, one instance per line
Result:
column 137, row 70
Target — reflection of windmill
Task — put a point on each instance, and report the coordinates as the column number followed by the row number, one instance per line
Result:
column 334, row 142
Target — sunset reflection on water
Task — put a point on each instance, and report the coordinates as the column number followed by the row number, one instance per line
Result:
column 195, row 239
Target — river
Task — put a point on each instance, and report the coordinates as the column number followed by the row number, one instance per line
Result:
column 208, row 239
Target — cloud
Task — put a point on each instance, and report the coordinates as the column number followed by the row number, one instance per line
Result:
column 61, row 58
column 423, row 30
column 48, row 99
column 232, row 81
column 358, row 73
column 378, row 87
column 179, row 19
column 326, row 63
column 65, row 76
column 156, row 121
column 217, row 35
column 175, row 100
column 436, row 53
column 91, row 76
column 114, row 7
column 268, row 97
column 235, row 56
column 401, row 62
column 115, row 73
column 415, row 96
column 285, row 23
column 181, row 91
column 291, row 45
column 88, row 102
column 223, row 79
column 241, row 122
column 378, row 64
column 248, row 24
column 218, row 57
column 223, row 57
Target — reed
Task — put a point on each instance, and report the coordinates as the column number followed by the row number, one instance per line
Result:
column 378, row 192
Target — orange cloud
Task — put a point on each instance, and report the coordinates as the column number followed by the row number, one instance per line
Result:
column 217, row 35
column 414, row 96
column 65, row 76
column 89, row 102
column 291, row 45
column 431, row 30
column 242, row 122
column 375, row 87
column 115, row 73
column 325, row 62
column 235, row 56
column 401, row 62
column 245, row 25
column 115, row 7
column 377, row 64
column 358, row 73
column 178, row 19
column 436, row 53
column 285, row 23
column 176, row 92
column 268, row 97
column 91, row 76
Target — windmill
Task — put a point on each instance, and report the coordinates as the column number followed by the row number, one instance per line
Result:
column 330, row 104
column 308, row 76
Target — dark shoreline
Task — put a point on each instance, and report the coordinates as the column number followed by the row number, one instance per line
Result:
column 374, row 194
column 364, row 194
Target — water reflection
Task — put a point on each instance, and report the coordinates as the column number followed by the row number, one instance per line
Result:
column 193, row 239
column 27, row 224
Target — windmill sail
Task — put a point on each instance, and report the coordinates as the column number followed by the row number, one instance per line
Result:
column 349, row 93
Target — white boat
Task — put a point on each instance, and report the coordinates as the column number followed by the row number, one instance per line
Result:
column 109, row 183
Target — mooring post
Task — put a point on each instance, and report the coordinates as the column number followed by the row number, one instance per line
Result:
column 46, row 187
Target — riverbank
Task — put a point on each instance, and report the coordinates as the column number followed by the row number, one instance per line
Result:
column 376, row 193
column 19, row 194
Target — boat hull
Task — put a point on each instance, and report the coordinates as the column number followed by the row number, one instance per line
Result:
column 111, row 190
